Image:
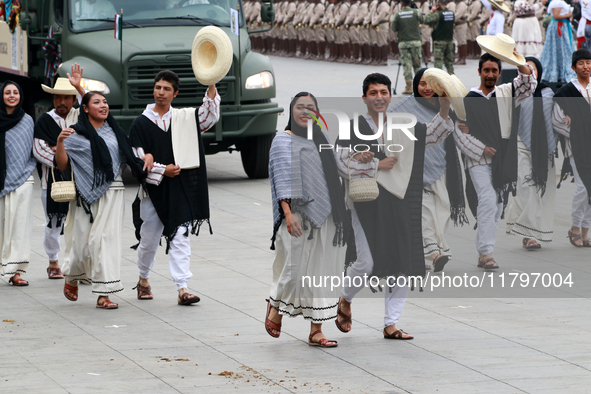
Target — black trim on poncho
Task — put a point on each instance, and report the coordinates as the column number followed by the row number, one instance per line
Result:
column 47, row 130
column 577, row 108
column 182, row 200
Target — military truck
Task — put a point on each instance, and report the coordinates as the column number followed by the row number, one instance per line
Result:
column 156, row 35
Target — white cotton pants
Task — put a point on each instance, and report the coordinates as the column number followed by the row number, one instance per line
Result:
column 51, row 237
column 179, row 254
column 489, row 209
column 581, row 213
column 395, row 297
column 436, row 217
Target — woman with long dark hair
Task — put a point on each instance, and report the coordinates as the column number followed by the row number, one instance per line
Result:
column 96, row 149
column 309, row 216
column 16, row 184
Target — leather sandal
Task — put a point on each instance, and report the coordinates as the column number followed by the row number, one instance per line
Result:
column 397, row 334
column 54, row 273
column 323, row 342
column 573, row 238
column 270, row 325
column 345, row 318
column 18, row 281
column 106, row 304
column 70, row 292
column 143, row 292
column 587, row 243
column 488, row 264
column 531, row 244
column 440, row 262
column 188, row 299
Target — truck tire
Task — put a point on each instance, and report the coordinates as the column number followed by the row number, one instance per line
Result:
column 254, row 153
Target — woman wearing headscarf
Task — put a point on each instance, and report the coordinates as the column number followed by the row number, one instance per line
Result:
column 16, row 184
column 531, row 211
column 309, row 216
column 96, row 149
column 559, row 44
column 443, row 195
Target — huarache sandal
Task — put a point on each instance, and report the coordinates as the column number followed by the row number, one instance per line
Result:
column 323, row 342
column 397, row 334
column 71, row 292
column 188, row 299
column 573, row 238
column 440, row 262
column 531, row 244
column 106, row 304
column 587, row 243
column 345, row 318
column 54, row 273
column 18, row 281
column 270, row 325
column 488, row 264
column 143, row 292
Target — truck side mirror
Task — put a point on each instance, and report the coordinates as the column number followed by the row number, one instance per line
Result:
column 28, row 21
column 267, row 11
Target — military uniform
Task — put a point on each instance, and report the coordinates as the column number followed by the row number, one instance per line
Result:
column 315, row 27
column 395, row 7
column 426, row 30
column 461, row 30
column 406, row 24
column 353, row 21
column 301, row 6
column 473, row 29
column 291, row 37
column 380, row 22
column 329, row 30
column 370, row 35
column 342, row 33
column 443, row 33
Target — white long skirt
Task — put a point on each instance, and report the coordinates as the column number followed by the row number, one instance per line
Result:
column 93, row 250
column 529, row 214
column 296, row 260
column 436, row 217
column 16, row 213
column 528, row 36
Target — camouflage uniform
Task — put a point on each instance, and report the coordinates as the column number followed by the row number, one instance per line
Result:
column 406, row 24
column 442, row 21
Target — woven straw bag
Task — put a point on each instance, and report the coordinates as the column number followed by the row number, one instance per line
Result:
column 362, row 189
column 63, row 191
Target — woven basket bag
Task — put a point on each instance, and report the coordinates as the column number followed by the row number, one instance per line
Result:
column 362, row 189
column 63, row 191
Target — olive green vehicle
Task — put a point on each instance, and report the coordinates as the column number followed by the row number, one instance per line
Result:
column 157, row 35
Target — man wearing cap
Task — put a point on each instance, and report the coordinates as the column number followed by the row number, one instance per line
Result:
column 406, row 24
column 442, row 20
column 175, row 198
column 488, row 141
column 496, row 23
column 571, row 118
column 47, row 129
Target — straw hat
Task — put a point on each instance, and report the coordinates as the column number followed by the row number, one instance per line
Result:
column 62, row 86
column 501, row 46
column 500, row 4
column 440, row 82
column 211, row 55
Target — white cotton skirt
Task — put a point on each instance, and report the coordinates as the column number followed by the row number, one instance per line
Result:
column 93, row 250
column 528, row 37
column 436, row 216
column 528, row 213
column 299, row 271
column 16, row 210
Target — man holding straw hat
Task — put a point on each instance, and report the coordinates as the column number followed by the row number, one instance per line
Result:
column 47, row 129
column 489, row 142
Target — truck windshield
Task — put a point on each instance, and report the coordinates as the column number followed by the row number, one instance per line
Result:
column 89, row 15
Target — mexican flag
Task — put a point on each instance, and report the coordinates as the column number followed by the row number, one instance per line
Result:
column 118, row 27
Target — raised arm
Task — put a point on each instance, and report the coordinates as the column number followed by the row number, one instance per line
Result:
column 209, row 111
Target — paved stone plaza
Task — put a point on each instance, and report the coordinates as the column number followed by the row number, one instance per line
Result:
column 461, row 345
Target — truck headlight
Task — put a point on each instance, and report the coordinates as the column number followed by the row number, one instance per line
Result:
column 93, row 84
column 259, row 81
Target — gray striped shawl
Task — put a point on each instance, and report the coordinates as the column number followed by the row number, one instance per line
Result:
column 295, row 172
column 20, row 161
column 435, row 163
column 526, row 116
column 80, row 154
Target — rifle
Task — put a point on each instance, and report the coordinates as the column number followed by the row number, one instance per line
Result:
column 397, row 75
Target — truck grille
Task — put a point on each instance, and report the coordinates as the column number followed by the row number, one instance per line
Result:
column 190, row 92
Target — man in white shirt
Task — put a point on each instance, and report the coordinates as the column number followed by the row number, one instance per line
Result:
column 496, row 23
column 571, row 118
column 175, row 200
column 47, row 128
